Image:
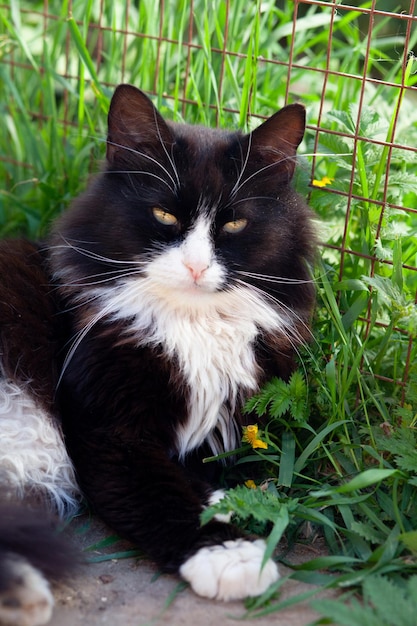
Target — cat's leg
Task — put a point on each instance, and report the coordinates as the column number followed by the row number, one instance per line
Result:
column 149, row 499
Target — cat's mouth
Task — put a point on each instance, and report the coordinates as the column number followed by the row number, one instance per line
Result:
column 199, row 287
column 187, row 291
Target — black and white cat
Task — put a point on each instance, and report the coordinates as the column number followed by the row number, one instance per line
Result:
column 171, row 290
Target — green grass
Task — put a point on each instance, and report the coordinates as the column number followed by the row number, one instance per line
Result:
column 341, row 458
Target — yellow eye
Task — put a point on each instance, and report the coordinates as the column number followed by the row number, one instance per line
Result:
column 164, row 217
column 235, row 226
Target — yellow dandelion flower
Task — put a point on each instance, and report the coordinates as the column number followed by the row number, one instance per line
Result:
column 250, row 436
column 323, row 182
column 250, row 484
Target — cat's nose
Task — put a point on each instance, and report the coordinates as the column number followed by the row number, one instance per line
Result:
column 196, row 269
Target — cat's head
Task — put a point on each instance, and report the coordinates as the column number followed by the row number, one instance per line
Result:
column 195, row 212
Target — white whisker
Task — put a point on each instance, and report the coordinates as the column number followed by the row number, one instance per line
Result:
column 82, row 303
column 259, row 171
column 152, row 160
column 292, row 314
column 275, row 279
column 96, row 257
column 86, row 281
column 287, row 330
column 237, row 185
column 79, row 337
column 251, row 199
column 129, row 172
column 169, row 157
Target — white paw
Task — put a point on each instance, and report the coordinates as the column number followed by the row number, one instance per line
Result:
column 216, row 497
column 230, row 571
column 28, row 601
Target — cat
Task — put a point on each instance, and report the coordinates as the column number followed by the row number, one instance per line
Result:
column 170, row 291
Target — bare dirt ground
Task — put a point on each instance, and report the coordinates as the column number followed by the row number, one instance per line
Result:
column 129, row 592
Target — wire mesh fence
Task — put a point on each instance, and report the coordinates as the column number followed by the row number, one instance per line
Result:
column 229, row 63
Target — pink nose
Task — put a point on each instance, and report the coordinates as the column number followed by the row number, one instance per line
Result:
column 196, row 270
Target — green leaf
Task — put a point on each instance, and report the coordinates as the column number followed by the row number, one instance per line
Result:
column 282, row 520
column 281, row 402
column 356, row 308
column 315, row 443
column 367, row 531
column 245, row 503
column 279, row 397
column 123, row 554
column 409, row 539
column 352, row 614
column 298, row 391
column 88, row 62
column 286, row 465
column 390, row 602
column 366, row 479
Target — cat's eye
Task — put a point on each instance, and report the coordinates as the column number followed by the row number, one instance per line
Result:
column 164, row 217
column 235, row 226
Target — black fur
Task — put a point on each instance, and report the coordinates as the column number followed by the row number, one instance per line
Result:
column 30, row 534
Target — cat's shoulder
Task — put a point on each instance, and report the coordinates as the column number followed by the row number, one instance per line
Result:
column 30, row 328
column 20, row 260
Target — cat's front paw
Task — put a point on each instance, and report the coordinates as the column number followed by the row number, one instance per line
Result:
column 27, row 600
column 230, row 571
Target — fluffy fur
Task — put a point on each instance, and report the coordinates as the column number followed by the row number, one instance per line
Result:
column 34, row 460
column 31, row 554
column 173, row 288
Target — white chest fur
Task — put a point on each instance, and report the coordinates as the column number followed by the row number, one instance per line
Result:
column 217, row 360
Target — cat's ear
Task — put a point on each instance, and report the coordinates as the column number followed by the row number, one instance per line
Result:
column 277, row 139
column 133, row 121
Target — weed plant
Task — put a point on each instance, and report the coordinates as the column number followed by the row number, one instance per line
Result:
column 340, row 436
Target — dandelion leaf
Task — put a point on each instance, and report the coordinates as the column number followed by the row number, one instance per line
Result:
column 263, row 506
column 367, row 532
column 352, row 614
column 385, row 603
column 392, row 603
